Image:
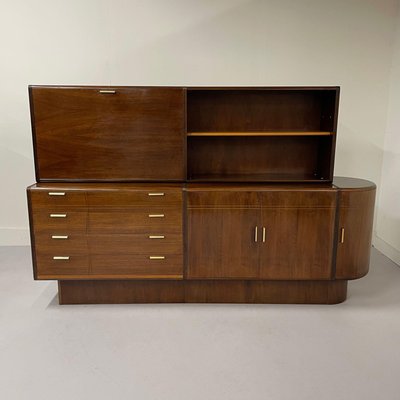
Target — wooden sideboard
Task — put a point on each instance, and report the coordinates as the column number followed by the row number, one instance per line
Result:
column 175, row 194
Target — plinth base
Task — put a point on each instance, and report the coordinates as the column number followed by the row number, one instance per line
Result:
column 204, row 291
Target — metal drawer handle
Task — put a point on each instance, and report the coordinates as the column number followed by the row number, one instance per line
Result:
column 342, row 235
column 59, row 236
column 157, row 194
column 263, row 234
column 156, row 215
column 256, row 234
column 58, row 215
column 156, row 237
column 157, row 257
column 107, row 91
column 61, row 258
column 56, row 193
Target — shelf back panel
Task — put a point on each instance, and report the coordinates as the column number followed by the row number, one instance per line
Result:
column 261, row 110
column 258, row 158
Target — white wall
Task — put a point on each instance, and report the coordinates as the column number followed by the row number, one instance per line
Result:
column 388, row 221
column 188, row 42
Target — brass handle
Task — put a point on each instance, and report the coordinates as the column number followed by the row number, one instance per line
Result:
column 56, row 193
column 156, row 237
column 61, row 258
column 156, row 215
column 256, row 234
column 59, row 236
column 263, row 234
column 156, row 194
column 58, row 215
column 106, row 91
column 157, row 257
column 342, row 235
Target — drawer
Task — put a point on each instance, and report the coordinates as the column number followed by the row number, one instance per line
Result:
column 141, row 266
column 298, row 199
column 165, row 243
column 135, row 197
column 222, row 199
column 48, row 267
column 48, row 198
column 56, row 242
column 135, row 221
column 59, row 222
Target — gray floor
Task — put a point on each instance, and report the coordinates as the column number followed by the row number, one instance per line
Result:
column 349, row 351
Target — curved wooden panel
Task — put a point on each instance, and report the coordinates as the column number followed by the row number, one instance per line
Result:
column 354, row 233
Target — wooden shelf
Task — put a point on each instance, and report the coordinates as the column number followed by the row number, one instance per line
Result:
column 256, row 177
column 276, row 133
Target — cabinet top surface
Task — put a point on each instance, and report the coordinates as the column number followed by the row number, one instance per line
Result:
column 338, row 183
column 189, row 87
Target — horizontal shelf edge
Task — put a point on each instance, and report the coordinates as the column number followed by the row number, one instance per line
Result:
column 286, row 133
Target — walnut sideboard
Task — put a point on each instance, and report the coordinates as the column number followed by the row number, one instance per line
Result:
column 204, row 194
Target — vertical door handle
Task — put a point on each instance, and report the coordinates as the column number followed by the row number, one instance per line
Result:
column 256, row 234
column 342, row 235
column 263, row 234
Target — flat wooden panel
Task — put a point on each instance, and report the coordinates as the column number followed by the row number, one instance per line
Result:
column 221, row 243
column 131, row 291
column 356, row 218
column 256, row 158
column 260, row 110
column 46, row 198
column 298, row 243
column 223, row 198
column 135, row 197
column 134, row 134
column 171, row 243
column 75, row 243
column 127, row 264
column 134, row 221
column 119, row 292
column 75, row 221
column 298, row 198
column 48, row 268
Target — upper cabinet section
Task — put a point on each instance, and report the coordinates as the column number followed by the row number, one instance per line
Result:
column 261, row 134
column 108, row 134
column 128, row 134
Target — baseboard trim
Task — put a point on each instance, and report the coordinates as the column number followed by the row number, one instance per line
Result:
column 14, row 236
column 388, row 250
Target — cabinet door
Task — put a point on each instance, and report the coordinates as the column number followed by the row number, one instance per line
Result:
column 356, row 216
column 221, row 243
column 298, row 239
column 86, row 134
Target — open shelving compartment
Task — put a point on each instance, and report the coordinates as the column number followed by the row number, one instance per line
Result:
column 261, row 135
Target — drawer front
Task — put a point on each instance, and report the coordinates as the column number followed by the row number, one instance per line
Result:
column 47, row 267
column 135, row 221
column 61, row 243
column 222, row 199
column 135, row 198
column 165, row 243
column 49, row 198
column 122, row 134
column 146, row 265
column 59, row 221
column 298, row 199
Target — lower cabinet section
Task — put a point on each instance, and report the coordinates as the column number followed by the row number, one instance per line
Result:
column 262, row 238
column 122, row 243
